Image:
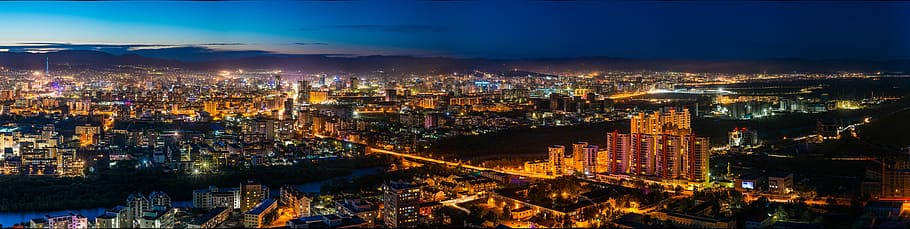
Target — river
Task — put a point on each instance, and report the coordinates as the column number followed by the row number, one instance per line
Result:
column 7, row 219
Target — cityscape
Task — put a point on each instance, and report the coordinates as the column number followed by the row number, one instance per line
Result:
column 454, row 114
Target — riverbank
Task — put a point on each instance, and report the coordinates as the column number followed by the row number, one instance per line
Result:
column 11, row 218
column 111, row 187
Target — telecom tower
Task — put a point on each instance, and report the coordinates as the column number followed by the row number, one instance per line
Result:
column 47, row 66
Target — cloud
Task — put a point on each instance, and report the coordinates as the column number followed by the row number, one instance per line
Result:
column 402, row 28
column 223, row 44
column 198, row 53
column 111, row 48
column 193, row 52
column 50, row 47
column 311, row 43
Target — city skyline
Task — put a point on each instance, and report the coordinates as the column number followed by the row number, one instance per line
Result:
column 461, row 114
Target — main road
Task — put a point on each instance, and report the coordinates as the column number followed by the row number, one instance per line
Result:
column 449, row 163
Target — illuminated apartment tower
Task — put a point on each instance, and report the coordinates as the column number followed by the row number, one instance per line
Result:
column 618, row 148
column 699, row 153
column 661, row 144
column 589, row 160
column 643, row 158
column 211, row 107
column 160, row 200
column 662, row 122
column 401, row 204
column 251, row 195
column 88, row 134
column 667, row 156
column 391, row 95
column 317, row 97
column 669, row 153
column 137, row 203
column 278, row 83
column 578, row 156
column 557, row 156
column 602, row 161
column 303, row 91
column 895, row 175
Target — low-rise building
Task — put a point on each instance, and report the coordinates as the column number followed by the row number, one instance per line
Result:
column 426, row 212
column 37, row 223
column 364, row 209
column 698, row 216
column 158, row 218
column 780, row 183
column 694, row 221
column 298, row 202
column 210, row 219
column 107, row 220
column 215, row 197
column 254, row 218
column 328, row 221
column 69, row 221
column 749, row 182
column 522, row 213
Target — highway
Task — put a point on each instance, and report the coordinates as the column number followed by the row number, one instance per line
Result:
column 662, row 91
column 449, row 163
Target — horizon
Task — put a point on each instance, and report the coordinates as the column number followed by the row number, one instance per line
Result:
column 215, row 56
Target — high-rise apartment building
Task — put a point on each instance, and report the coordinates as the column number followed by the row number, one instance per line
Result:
column 619, row 148
column 401, row 204
column 252, row 194
column 391, row 95
column 660, row 144
column 578, row 155
column 589, row 160
column 88, row 134
column 666, row 156
column 297, row 202
column 137, row 203
column 671, row 121
column 214, row 197
column 896, row 179
column 160, row 199
column 303, row 91
column 556, row 159
column 317, row 97
column 742, row 137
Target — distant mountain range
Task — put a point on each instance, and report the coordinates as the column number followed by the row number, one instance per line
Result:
column 410, row 64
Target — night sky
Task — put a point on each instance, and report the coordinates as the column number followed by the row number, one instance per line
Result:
column 488, row 29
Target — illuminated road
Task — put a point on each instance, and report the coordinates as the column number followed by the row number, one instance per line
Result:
column 460, row 200
column 627, row 95
column 678, row 91
column 454, row 202
column 449, row 163
column 792, row 199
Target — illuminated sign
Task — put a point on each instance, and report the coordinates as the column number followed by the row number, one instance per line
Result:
column 748, row 185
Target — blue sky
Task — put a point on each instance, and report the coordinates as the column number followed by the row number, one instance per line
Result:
column 490, row 29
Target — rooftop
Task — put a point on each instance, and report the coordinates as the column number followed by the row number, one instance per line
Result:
column 261, row 206
column 207, row 216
